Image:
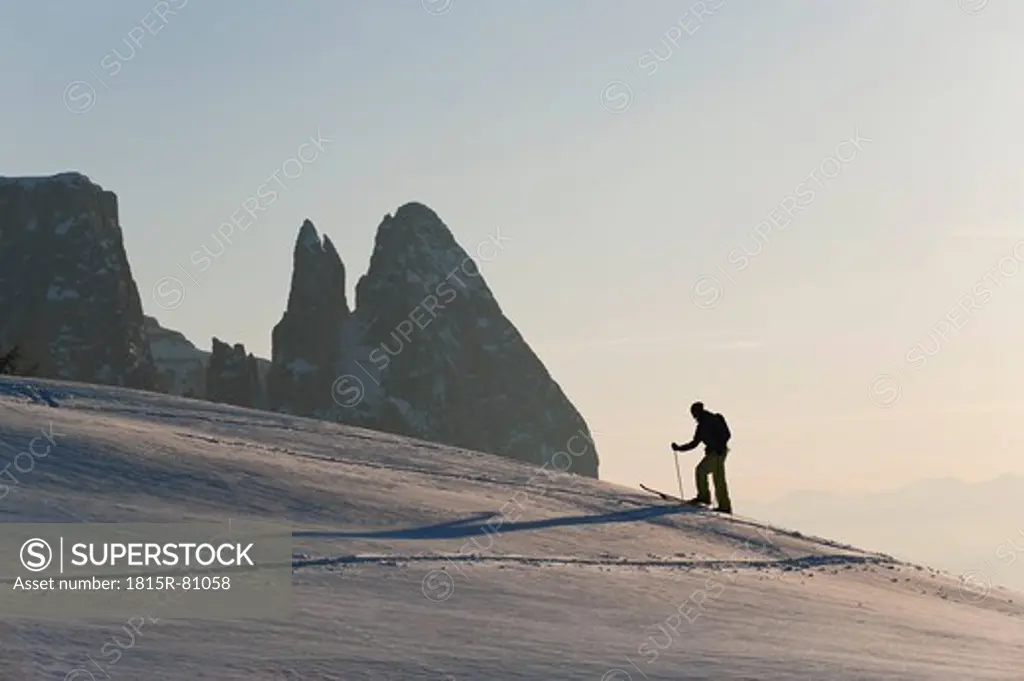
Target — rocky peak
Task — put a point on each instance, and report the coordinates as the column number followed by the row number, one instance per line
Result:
column 307, row 341
column 157, row 334
column 426, row 353
column 451, row 367
column 233, row 377
column 180, row 365
column 67, row 296
column 413, row 247
column 70, row 179
column 318, row 275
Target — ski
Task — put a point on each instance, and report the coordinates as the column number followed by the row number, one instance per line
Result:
column 668, row 497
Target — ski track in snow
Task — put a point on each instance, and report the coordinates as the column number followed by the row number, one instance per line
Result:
column 401, row 560
column 408, row 564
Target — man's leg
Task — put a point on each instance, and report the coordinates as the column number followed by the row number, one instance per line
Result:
column 704, row 469
column 721, row 486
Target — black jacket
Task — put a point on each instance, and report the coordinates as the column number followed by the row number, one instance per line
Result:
column 712, row 432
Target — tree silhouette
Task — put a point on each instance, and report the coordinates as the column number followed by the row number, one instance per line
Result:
column 9, row 363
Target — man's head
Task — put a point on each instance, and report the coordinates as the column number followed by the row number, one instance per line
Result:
column 696, row 409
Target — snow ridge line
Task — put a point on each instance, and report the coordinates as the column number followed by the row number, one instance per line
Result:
column 392, row 560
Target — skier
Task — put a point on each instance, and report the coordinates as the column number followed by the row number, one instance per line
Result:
column 714, row 433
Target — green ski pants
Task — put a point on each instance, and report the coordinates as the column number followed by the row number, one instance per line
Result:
column 713, row 464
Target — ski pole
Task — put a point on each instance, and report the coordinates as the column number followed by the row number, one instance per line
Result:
column 679, row 475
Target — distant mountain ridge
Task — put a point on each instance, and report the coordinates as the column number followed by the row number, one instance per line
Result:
column 181, row 366
column 960, row 526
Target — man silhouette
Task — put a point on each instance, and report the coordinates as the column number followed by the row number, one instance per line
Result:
column 713, row 432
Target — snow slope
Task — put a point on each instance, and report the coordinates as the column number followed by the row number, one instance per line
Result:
column 419, row 561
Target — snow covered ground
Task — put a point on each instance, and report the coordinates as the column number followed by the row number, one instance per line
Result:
column 418, row 561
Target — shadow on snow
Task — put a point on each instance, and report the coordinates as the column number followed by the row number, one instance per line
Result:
column 474, row 525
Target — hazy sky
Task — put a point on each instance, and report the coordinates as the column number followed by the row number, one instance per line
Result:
column 889, row 131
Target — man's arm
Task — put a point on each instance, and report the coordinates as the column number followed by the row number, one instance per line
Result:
column 697, row 438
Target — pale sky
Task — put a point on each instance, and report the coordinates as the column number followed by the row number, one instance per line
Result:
column 621, row 183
